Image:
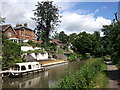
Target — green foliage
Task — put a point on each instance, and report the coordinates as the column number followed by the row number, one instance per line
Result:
column 87, row 56
column 112, row 41
column 63, row 37
column 38, row 44
column 11, row 53
column 60, row 51
column 30, row 42
column 75, row 56
column 46, row 18
column 88, row 43
column 84, row 77
column 72, row 37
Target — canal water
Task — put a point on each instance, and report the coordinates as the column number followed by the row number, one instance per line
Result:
column 42, row 79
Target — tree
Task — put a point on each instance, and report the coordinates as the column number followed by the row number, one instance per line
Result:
column 46, row 18
column 11, row 53
column 72, row 37
column 63, row 37
column 98, row 49
column 96, row 34
column 84, row 43
column 112, row 41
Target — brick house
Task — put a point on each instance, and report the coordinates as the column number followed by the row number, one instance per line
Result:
column 24, row 33
column 19, row 33
column 9, row 32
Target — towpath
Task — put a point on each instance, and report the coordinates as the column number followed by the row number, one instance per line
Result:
column 113, row 75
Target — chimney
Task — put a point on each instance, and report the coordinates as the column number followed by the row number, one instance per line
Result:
column 25, row 25
column 17, row 25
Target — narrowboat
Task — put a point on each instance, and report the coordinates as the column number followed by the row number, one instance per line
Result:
column 19, row 69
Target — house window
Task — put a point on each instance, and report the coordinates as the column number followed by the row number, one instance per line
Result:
column 35, row 38
column 9, row 34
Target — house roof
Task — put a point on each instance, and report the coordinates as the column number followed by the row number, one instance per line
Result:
column 57, row 41
column 5, row 27
column 21, row 27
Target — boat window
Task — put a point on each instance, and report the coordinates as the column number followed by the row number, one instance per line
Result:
column 16, row 67
column 29, row 66
column 37, row 66
column 33, row 66
column 23, row 68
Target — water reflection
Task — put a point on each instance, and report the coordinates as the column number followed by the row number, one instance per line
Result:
column 43, row 79
column 0, row 83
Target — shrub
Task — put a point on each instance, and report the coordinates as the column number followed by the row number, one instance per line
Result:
column 83, row 77
column 11, row 53
column 75, row 56
column 30, row 42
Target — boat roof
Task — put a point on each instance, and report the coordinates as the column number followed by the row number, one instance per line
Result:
column 26, row 63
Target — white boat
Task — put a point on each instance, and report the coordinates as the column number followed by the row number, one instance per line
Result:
column 18, row 69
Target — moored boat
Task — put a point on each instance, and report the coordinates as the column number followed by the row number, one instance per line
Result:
column 18, row 69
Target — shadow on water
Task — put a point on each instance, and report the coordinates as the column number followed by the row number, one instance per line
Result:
column 112, row 74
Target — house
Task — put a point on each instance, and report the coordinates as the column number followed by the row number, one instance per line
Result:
column 9, row 32
column 20, row 33
column 24, row 33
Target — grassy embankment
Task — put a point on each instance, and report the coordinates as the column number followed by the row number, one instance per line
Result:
column 91, row 75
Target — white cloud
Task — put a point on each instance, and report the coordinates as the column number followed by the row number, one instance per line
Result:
column 20, row 12
column 73, row 22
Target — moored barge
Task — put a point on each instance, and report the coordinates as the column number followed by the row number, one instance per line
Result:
column 19, row 69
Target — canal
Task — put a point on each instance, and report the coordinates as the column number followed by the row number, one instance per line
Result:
column 42, row 79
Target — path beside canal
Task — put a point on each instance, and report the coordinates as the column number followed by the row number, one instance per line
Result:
column 113, row 75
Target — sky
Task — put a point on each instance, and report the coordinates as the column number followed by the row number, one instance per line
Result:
column 77, row 16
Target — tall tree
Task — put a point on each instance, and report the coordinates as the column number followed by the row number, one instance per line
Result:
column 46, row 18
column 63, row 37
column 72, row 37
column 112, row 41
column 84, row 43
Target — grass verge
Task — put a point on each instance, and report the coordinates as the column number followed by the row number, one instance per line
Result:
column 91, row 75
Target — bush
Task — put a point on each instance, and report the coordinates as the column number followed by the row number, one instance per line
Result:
column 37, row 44
column 75, row 56
column 83, row 77
column 30, row 42
column 11, row 53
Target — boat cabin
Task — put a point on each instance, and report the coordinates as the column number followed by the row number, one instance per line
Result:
column 25, row 66
column 20, row 68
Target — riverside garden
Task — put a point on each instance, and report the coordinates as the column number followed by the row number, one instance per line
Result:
column 92, row 48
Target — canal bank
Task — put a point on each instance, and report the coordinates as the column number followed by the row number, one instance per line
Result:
column 43, row 79
column 43, row 64
column 91, row 75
